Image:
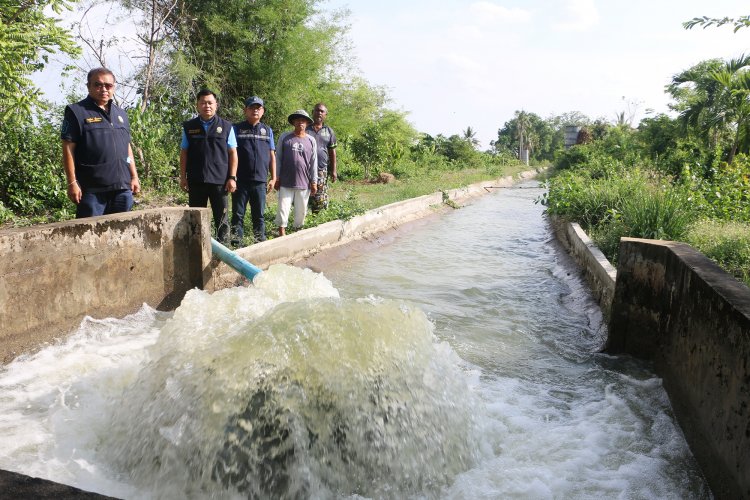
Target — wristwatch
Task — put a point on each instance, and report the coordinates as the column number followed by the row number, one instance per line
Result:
column 233, row 178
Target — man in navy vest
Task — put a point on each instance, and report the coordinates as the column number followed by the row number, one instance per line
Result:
column 208, row 161
column 97, row 156
column 256, row 156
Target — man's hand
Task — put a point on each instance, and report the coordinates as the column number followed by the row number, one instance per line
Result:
column 184, row 184
column 231, row 186
column 270, row 185
column 74, row 193
column 135, row 185
column 313, row 187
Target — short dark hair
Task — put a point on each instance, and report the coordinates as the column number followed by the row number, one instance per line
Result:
column 99, row 71
column 205, row 92
column 320, row 104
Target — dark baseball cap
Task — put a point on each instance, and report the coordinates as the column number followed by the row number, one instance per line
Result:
column 253, row 100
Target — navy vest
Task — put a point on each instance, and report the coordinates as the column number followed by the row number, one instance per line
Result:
column 101, row 152
column 253, row 151
column 207, row 152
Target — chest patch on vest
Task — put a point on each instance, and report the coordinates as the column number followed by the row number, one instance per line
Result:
column 194, row 131
column 93, row 119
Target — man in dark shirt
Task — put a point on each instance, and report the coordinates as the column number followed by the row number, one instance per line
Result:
column 208, row 161
column 256, row 156
column 97, row 156
column 326, row 140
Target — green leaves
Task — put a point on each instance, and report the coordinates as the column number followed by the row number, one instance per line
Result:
column 705, row 22
column 27, row 37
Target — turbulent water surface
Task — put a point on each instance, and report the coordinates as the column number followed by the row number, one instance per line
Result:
column 458, row 361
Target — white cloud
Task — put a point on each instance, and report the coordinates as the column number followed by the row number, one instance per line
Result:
column 582, row 14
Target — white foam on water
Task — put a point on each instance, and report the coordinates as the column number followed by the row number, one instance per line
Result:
column 347, row 391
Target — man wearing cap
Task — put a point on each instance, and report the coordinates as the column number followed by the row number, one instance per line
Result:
column 97, row 156
column 297, row 160
column 208, row 161
column 326, row 139
column 256, row 156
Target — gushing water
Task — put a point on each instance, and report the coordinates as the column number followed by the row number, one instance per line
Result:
column 459, row 361
column 282, row 389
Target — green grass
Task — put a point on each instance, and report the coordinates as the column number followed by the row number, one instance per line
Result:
column 726, row 243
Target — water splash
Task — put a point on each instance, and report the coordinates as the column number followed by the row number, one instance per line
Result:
column 286, row 390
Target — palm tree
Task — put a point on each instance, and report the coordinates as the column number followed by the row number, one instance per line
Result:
column 714, row 101
column 470, row 136
column 525, row 133
column 734, row 79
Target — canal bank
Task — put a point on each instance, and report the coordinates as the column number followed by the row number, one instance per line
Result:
column 669, row 304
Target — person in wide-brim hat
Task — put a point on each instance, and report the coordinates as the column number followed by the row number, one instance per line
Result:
column 300, row 113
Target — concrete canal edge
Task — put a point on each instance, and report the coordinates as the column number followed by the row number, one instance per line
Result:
column 597, row 270
column 671, row 305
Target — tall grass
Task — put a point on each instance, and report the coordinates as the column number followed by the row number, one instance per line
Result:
column 727, row 243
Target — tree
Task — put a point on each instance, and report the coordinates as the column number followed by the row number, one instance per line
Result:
column 542, row 137
column 383, row 141
column 27, row 37
column 713, row 98
column 470, row 136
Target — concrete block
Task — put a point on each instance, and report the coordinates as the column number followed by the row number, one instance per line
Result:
column 676, row 308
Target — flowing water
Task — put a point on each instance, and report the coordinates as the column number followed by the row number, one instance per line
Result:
column 458, row 361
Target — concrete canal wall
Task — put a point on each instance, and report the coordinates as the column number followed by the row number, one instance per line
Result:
column 597, row 270
column 676, row 308
column 53, row 275
column 669, row 304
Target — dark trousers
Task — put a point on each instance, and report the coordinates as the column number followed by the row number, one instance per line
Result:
column 200, row 193
column 255, row 194
column 108, row 202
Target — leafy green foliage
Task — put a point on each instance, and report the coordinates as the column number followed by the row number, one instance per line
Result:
column 542, row 137
column 383, row 142
column 713, row 98
column 32, row 183
column 155, row 132
column 705, row 22
column 27, row 37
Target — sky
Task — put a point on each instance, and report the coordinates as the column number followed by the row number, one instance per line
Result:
column 454, row 64
column 451, row 64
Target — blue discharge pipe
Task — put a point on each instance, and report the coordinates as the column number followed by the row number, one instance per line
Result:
column 234, row 261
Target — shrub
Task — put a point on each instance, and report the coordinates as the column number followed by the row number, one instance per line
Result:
column 32, row 180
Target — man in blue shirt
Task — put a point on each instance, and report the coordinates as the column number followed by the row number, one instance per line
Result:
column 208, row 161
column 97, row 156
column 256, row 156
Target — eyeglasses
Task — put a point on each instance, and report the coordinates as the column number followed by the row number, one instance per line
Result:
column 107, row 86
